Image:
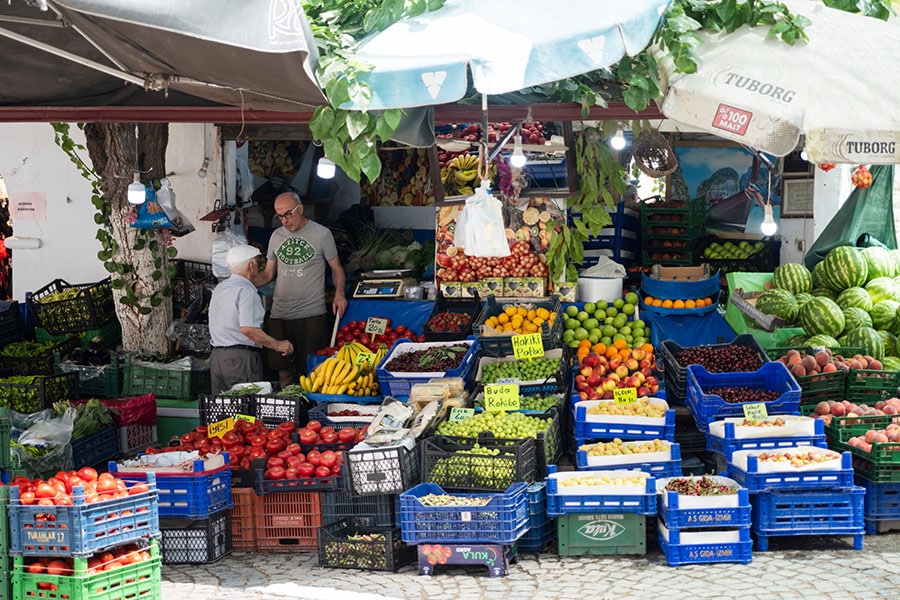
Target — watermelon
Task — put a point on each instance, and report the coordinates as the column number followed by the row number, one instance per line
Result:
column 779, row 303
column 868, row 339
column 823, row 293
column 882, row 288
column 890, row 342
column 822, row 341
column 818, row 275
column 795, row 341
column 822, row 315
column 792, row 277
column 879, row 262
column 802, row 298
column 845, row 267
column 854, row 318
column 842, row 341
column 883, row 314
column 855, row 296
column 895, row 257
column 891, row 363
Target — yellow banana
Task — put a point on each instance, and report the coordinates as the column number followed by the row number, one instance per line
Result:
column 350, row 375
column 338, row 374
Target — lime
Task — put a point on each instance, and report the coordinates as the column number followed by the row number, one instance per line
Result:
column 608, row 320
column 574, row 344
column 609, row 330
column 582, row 316
column 631, row 298
column 568, row 335
column 594, row 336
column 611, row 311
column 602, row 304
column 626, row 330
column 628, row 309
column 637, row 323
column 606, row 340
column 619, row 336
column 572, row 323
column 619, row 322
column 581, row 334
column 618, row 303
column 629, row 339
column 639, row 341
column 591, row 323
column 590, row 307
column 571, row 310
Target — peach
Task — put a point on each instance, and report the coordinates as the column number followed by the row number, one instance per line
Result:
column 822, row 408
column 879, row 438
column 838, row 410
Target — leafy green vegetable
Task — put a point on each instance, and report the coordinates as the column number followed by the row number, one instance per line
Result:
column 90, row 417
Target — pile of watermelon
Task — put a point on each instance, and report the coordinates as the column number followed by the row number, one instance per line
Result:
column 851, row 298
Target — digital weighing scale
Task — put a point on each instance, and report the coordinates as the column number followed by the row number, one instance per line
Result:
column 384, row 283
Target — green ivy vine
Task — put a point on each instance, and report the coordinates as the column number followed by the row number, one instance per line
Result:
column 145, row 240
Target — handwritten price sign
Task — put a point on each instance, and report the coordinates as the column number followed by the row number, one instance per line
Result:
column 248, row 418
column 528, row 345
column 461, row 414
column 376, row 326
column 501, row 397
column 626, row 395
column 755, row 412
column 220, row 428
column 365, row 358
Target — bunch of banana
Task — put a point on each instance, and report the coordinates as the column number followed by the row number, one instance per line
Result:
column 350, row 351
column 337, row 376
column 459, row 177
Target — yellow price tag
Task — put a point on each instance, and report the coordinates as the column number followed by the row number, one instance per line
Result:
column 755, row 412
column 626, row 395
column 461, row 414
column 248, row 418
column 501, row 397
column 528, row 345
column 376, row 326
column 365, row 358
column 220, row 428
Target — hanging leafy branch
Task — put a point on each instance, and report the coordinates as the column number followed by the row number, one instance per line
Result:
column 109, row 249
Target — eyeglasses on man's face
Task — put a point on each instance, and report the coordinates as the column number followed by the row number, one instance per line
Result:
column 288, row 214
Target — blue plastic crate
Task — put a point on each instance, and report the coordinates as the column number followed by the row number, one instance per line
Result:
column 194, row 495
column 729, row 444
column 681, row 289
column 82, row 529
column 585, row 430
column 772, row 376
column 685, row 512
column 882, row 499
column 319, row 412
column 503, row 520
column 755, row 481
column 541, row 528
column 812, row 512
column 562, row 504
column 678, row 553
column 401, row 386
column 681, row 312
column 96, row 449
column 664, row 468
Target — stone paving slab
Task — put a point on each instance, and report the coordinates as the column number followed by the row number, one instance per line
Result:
column 794, row 567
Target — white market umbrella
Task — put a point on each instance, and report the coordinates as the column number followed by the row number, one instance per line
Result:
column 508, row 45
column 840, row 89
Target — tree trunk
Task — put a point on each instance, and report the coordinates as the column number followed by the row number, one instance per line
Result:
column 111, row 147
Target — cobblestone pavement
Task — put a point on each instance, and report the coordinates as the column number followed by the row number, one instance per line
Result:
column 800, row 567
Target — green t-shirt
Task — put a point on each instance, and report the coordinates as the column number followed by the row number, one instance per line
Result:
column 300, row 280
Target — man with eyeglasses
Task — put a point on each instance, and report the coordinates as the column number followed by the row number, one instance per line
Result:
column 298, row 253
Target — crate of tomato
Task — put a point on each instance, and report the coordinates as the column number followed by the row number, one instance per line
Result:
column 451, row 320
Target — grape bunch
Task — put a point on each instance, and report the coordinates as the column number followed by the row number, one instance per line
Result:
column 536, row 369
column 449, row 500
column 476, row 467
column 619, row 448
column 513, row 425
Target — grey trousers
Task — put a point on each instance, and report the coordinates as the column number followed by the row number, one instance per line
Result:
column 232, row 365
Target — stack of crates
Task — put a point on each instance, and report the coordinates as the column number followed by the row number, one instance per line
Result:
column 601, row 512
column 621, row 241
column 194, row 509
column 135, row 421
column 815, row 497
column 876, row 465
column 705, row 528
column 47, row 540
column 673, row 235
column 541, row 527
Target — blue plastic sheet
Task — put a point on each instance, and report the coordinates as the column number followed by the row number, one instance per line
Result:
column 411, row 313
column 688, row 330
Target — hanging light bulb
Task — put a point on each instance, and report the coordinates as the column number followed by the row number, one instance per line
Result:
column 202, row 172
column 804, row 155
column 768, row 227
column 617, row 142
column 4, row 195
column 137, row 194
column 325, row 169
column 518, row 158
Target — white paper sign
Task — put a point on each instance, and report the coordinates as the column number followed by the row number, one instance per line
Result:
column 28, row 206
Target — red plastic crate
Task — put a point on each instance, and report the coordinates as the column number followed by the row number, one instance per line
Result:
column 246, row 506
column 288, row 522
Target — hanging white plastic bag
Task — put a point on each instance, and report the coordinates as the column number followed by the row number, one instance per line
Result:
column 166, row 198
column 222, row 243
column 479, row 228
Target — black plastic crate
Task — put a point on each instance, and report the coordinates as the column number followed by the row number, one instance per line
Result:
column 271, row 409
column 387, row 552
column 11, row 325
column 470, row 307
column 501, row 345
column 360, row 511
column 385, row 470
column 195, row 542
column 190, row 277
column 41, row 393
column 451, row 463
column 40, row 364
column 90, row 307
column 676, row 374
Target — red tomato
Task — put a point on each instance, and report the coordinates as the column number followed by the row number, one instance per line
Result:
column 58, row 567
column 292, row 473
column 274, row 473
column 323, row 472
column 106, row 483
column 306, row 469
column 329, row 437
column 45, row 490
column 314, row 425
column 328, row 459
column 313, row 457
column 308, row 436
column 294, row 448
column 275, row 462
column 347, row 434
column 287, row 427
column 138, row 488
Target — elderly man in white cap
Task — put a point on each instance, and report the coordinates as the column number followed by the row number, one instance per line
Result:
column 235, row 324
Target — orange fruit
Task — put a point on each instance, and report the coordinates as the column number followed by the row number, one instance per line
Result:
column 690, row 304
column 667, row 303
column 620, row 344
column 611, row 352
column 678, row 304
column 599, row 348
column 648, row 300
column 657, row 302
column 585, row 343
column 647, row 347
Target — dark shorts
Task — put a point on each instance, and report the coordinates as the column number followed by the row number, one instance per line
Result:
column 307, row 335
column 233, row 365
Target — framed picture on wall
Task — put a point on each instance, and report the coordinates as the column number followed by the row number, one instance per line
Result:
column 797, row 198
column 795, row 167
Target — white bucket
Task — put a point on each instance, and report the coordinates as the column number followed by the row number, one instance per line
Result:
column 592, row 289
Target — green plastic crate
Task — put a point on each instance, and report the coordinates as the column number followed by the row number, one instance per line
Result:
column 98, row 382
column 110, row 334
column 165, row 383
column 820, row 386
column 4, row 536
column 580, row 534
column 5, row 431
column 865, row 386
column 5, row 588
column 139, row 580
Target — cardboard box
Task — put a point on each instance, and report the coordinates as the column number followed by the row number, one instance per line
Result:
column 524, row 287
column 451, row 289
column 492, row 286
column 567, row 291
column 470, row 289
column 681, row 273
